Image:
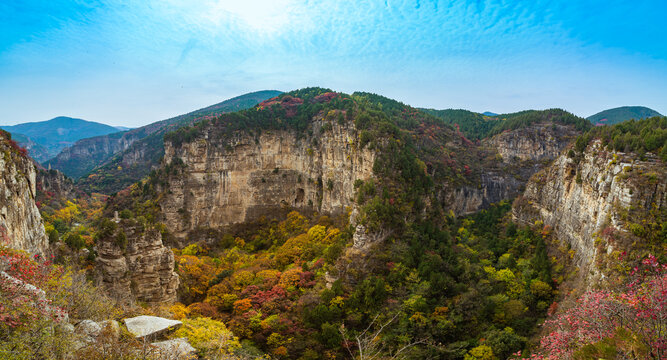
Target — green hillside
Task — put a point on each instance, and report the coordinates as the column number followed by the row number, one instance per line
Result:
column 620, row 114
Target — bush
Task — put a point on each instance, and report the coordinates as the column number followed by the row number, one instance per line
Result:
column 209, row 336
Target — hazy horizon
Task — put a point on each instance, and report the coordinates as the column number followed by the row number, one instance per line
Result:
column 133, row 63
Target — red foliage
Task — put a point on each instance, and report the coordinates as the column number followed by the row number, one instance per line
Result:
column 640, row 310
column 289, row 103
column 318, row 264
column 306, row 279
column 21, row 300
column 249, row 290
column 18, row 148
column 203, row 309
column 326, row 97
column 276, row 293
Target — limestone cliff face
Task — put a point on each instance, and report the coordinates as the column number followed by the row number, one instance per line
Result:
column 582, row 200
column 494, row 186
column 537, row 142
column 239, row 179
column 523, row 152
column 21, row 224
column 55, row 182
column 140, row 267
column 84, row 155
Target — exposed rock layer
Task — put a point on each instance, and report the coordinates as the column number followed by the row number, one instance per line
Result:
column 21, row 224
column 236, row 180
column 522, row 152
column 141, row 270
column 537, row 142
column 580, row 200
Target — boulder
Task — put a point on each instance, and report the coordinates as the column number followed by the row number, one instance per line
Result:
column 144, row 325
column 89, row 328
column 175, row 349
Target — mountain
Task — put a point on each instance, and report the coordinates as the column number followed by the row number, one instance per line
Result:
column 122, row 128
column 488, row 113
column 620, row 114
column 123, row 158
column 58, row 133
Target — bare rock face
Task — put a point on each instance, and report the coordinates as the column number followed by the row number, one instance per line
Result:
column 134, row 264
column 21, row 225
column 239, row 179
column 537, row 142
column 55, row 182
column 520, row 154
column 581, row 200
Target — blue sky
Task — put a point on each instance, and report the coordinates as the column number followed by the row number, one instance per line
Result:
column 134, row 62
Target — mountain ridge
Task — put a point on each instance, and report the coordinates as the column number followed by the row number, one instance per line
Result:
column 57, row 133
column 143, row 144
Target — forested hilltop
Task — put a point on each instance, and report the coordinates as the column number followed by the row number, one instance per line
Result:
column 324, row 225
column 480, row 126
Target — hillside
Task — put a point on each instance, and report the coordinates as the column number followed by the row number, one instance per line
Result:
column 57, row 133
column 477, row 126
column 35, row 150
column 123, row 158
column 620, row 114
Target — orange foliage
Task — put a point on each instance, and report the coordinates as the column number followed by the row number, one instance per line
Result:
column 243, row 305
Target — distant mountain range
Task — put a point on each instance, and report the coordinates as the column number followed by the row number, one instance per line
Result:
column 620, row 114
column 45, row 139
column 111, row 162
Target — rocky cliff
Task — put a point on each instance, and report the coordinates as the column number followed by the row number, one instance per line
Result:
column 536, row 142
column 597, row 202
column 134, row 264
column 520, row 153
column 56, row 183
column 238, row 179
column 21, row 224
column 120, row 159
column 84, row 155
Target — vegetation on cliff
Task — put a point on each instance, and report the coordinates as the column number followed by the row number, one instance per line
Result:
column 640, row 137
column 107, row 171
column 478, row 126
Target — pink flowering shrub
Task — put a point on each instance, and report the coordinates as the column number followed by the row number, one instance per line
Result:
column 630, row 324
column 22, row 300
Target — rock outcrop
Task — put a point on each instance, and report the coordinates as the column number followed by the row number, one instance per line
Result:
column 21, row 225
column 523, row 152
column 117, row 160
column 175, row 349
column 55, row 182
column 536, row 142
column 151, row 326
column 599, row 192
column 227, row 181
column 134, row 264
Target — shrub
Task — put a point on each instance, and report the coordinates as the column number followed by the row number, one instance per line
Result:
column 209, row 336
